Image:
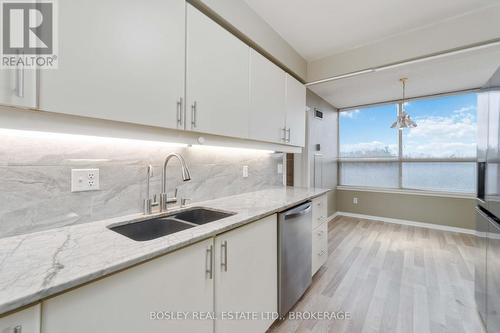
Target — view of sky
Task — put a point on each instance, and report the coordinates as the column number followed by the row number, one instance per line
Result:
column 446, row 128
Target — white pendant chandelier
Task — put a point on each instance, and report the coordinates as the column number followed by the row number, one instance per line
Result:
column 403, row 120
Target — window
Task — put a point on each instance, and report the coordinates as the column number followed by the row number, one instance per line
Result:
column 365, row 133
column 446, row 128
column 438, row 155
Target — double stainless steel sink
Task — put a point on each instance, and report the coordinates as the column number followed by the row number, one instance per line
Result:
column 162, row 226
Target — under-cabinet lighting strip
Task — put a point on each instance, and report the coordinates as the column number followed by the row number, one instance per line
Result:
column 65, row 137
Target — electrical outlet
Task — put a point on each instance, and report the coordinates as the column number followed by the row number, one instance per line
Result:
column 355, row 201
column 280, row 168
column 84, row 180
column 245, row 171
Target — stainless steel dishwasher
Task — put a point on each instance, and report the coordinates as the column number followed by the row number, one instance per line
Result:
column 294, row 255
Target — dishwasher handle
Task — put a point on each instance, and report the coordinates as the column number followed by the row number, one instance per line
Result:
column 301, row 210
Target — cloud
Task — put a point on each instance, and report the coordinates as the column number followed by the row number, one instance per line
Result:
column 349, row 114
column 443, row 129
column 465, row 109
column 438, row 136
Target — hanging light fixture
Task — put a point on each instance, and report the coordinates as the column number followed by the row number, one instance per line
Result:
column 403, row 120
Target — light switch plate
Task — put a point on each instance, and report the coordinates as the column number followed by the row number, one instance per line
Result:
column 280, row 169
column 84, row 180
column 245, row 171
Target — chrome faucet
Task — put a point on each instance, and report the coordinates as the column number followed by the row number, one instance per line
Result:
column 164, row 200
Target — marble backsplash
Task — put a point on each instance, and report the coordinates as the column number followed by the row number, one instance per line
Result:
column 35, row 172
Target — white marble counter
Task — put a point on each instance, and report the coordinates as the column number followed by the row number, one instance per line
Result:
column 37, row 265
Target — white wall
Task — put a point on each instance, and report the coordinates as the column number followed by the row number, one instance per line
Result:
column 323, row 172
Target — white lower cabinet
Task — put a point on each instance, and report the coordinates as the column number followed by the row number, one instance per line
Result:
column 319, row 247
column 123, row 302
column 23, row 321
column 320, row 211
column 232, row 274
column 319, row 233
column 246, row 276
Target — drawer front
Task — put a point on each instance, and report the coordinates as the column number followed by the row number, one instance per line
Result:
column 319, row 211
column 319, row 247
column 25, row 321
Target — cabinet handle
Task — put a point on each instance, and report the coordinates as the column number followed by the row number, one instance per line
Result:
column 18, row 329
column 210, row 264
column 194, row 112
column 320, row 233
column 20, row 82
column 179, row 111
column 288, row 139
column 283, row 138
column 223, row 254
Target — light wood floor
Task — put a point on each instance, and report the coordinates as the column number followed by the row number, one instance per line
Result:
column 392, row 278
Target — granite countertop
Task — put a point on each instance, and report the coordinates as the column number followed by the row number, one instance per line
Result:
column 37, row 265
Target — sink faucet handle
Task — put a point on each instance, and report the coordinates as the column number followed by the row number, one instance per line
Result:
column 155, row 202
column 147, row 202
column 184, row 201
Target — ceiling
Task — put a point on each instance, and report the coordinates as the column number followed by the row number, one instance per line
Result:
column 447, row 74
column 320, row 28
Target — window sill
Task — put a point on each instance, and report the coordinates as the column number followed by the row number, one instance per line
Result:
column 408, row 191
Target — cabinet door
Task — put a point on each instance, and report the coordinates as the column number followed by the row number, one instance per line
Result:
column 119, row 60
column 18, row 87
column 217, row 86
column 123, row 302
column 267, row 100
column 295, row 111
column 246, row 275
column 24, row 321
column 493, row 278
column 319, row 207
column 319, row 247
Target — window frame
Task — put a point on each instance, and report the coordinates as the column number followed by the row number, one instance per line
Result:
column 400, row 160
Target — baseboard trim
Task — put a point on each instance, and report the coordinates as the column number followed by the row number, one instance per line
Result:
column 406, row 222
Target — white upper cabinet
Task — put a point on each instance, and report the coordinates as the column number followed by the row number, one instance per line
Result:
column 217, row 80
column 267, row 100
column 18, row 87
column 295, row 112
column 119, row 60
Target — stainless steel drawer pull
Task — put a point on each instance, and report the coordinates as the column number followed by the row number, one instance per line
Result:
column 20, row 81
column 179, row 111
column 223, row 259
column 18, row 329
column 210, row 264
column 288, row 138
column 194, row 115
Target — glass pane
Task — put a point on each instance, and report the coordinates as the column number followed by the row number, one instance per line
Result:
column 446, row 176
column 366, row 132
column 372, row 174
column 446, row 127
